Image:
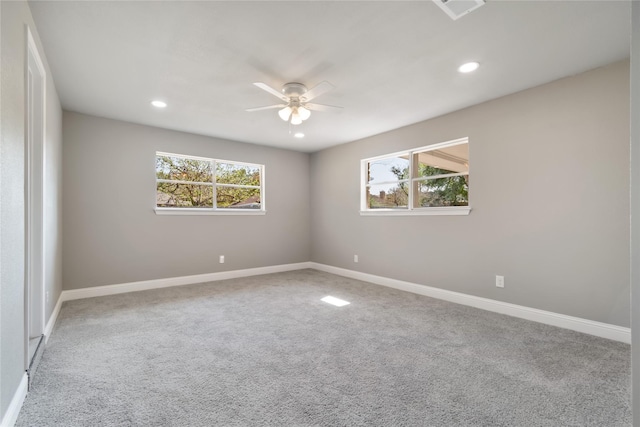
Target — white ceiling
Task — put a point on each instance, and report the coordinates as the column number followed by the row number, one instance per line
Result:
column 393, row 62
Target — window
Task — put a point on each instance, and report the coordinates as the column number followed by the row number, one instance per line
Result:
column 432, row 180
column 188, row 184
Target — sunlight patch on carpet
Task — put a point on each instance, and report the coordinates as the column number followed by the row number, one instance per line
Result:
column 335, row 301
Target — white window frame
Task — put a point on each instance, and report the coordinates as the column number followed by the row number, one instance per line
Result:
column 410, row 209
column 213, row 210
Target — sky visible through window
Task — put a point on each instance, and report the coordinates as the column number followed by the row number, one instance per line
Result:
column 380, row 171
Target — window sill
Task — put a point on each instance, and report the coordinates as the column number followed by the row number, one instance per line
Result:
column 188, row 211
column 448, row 210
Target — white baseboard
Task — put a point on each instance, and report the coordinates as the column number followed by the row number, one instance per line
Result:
column 604, row 330
column 11, row 416
column 144, row 285
column 52, row 319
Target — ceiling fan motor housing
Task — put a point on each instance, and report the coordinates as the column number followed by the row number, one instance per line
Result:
column 294, row 90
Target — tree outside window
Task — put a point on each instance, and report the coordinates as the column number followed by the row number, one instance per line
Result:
column 428, row 177
column 189, row 182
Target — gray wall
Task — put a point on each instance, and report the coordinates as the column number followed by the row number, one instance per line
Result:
column 15, row 15
column 112, row 234
column 635, row 210
column 549, row 190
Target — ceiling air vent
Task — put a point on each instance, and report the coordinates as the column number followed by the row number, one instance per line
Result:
column 457, row 8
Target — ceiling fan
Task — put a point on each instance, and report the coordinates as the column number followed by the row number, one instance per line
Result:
column 295, row 97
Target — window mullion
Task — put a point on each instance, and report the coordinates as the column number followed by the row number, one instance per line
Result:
column 413, row 167
column 238, row 186
column 213, row 182
column 177, row 181
column 445, row 175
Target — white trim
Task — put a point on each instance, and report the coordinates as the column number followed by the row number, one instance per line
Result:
column 208, row 211
column 177, row 181
column 237, row 186
column 11, row 416
column 34, row 47
column 182, row 156
column 604, row 330
column 431, row 147
column 444, row 175
column 52, row 320
column 444, row 210
column 206, row 159
column 144, row 285
column 35, row 204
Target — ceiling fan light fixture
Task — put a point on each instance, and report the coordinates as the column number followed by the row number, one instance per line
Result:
column 293, row 100
column 304, row 113
column 285, row 113
column 295, row 118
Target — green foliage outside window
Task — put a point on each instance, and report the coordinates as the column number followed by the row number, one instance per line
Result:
column 234, row 197
column 436, row 192
column 445, row 191
column 188, row 182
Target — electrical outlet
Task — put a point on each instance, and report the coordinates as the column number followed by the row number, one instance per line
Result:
column 499, row 281
column 355, row 258
column 47, row 297
column 221, row 259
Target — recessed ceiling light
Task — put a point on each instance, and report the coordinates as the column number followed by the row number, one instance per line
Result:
column 299, row 135
column 158, row 104
column 335, row 301
column 468, row 67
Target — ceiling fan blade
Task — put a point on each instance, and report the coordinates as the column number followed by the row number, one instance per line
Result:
column 317, row 90
column 268, row 107
column 322, row 107
column 271, row 90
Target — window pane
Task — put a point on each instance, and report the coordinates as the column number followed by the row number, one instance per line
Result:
column 390, row 169
column 183, row 169
column 238, row 198
column 453, row 159
column 230, row 173
column 449, row 191
column 171, row 195
column 389, row 196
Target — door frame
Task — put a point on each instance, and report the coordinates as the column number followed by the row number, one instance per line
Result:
column 35, row 108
